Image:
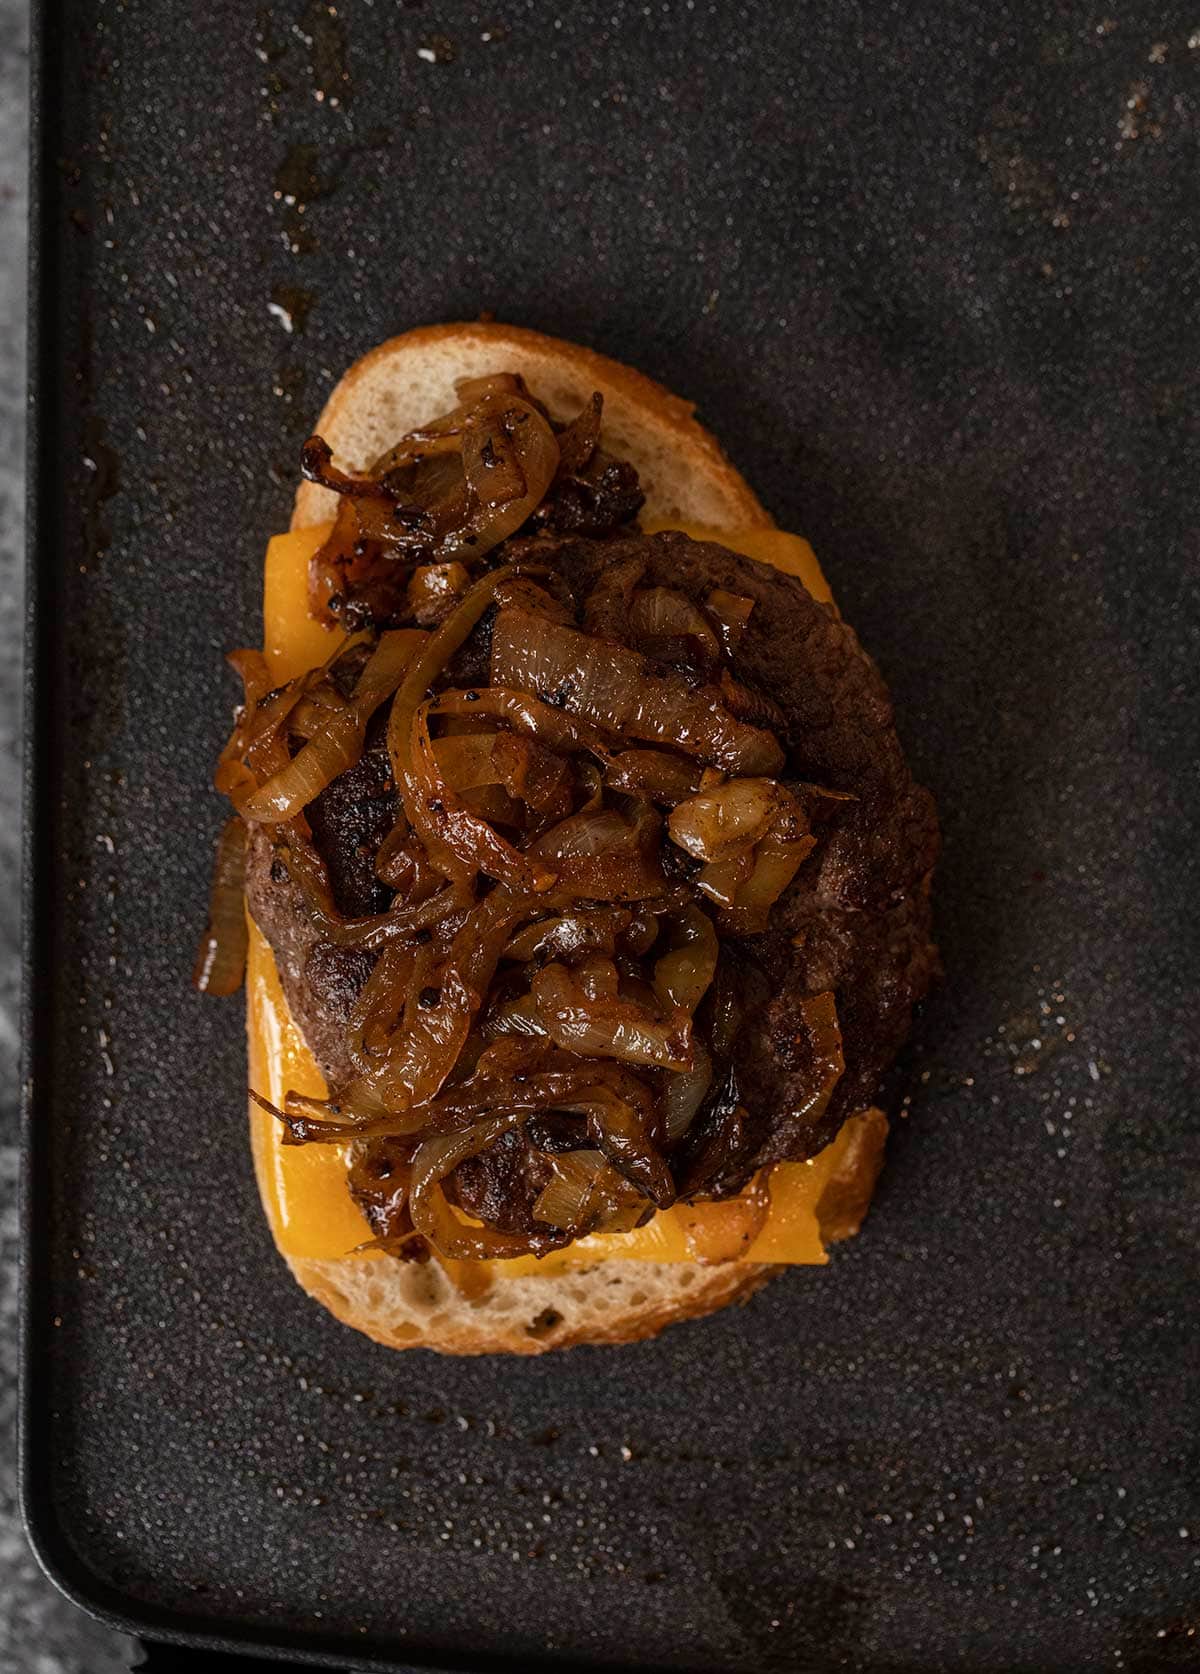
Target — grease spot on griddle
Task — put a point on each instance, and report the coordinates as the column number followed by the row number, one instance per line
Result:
column 438, row 49
column 1137, row 119
column 102, row 480
column 324, row 33
column 270, row 53
column 291, row 307
column 269, row 50
column 1030, row 1038
column 299, row 182
column 298, row 179
column 306, row 175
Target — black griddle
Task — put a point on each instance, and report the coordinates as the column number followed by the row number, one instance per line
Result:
column 932, row 274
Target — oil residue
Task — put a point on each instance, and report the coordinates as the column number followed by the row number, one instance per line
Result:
column 291, row 306
column 270, row 53
column 304, row 177
column 324, row 34
column 299, row 182
column 298, row 178
column 438, row 49
column 102, row 466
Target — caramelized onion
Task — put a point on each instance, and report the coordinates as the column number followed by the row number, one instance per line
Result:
column 402, row 864
column 726, row 1012
column 526, row 715
column 374, row 931
column 455, row 489
column 655, row 774
column 221, row 958
column 528, row 771
column 585, row 1194
column 519, row 1017
column 510, row 456
column 518, row 588
column 518, row 1075
column 819, row 1015
column 619, row 1128
column 755, row 708
column 610, row 1028
column 597, row 976
column 434, row 1217
column 578, row 442
column 379, row 1005
column 231, row 772
column 606, row 609
column 339, row 743
column 256, row 742
column 666, row 625
column 684, row 1094
column 316, row 464
column 642, row 932
column 595, row 929
column 443, row 1002
column 469, row 838
column 720, row 880
column 726, row 821
column 606, row 855
column 777, row 858
column 434, row 590
column 619, row 691
column 683, row 975
column 255, row 676
column 458, row 842
column 257, row 748
column 471, row 390
column 731, row 612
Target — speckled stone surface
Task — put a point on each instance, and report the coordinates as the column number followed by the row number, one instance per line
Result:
column 40, row 1632
column 933, row 275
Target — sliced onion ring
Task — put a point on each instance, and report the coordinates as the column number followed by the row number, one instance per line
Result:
column 221, row 958
column 433, row 1216
column 339, row 744
column 609, row 1028
column 684, row 974
column 726, row 821
column 622, row 693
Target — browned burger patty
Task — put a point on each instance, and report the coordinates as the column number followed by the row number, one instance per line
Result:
column 854, row 921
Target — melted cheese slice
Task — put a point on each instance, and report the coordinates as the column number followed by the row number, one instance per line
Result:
column 303, row 1187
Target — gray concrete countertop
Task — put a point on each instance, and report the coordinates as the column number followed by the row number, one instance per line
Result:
column 40, row 1632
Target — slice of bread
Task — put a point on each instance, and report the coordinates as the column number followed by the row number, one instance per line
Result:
column 408, row 380
column 686, row 478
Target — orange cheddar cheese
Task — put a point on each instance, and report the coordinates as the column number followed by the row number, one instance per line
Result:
column 303, row 1187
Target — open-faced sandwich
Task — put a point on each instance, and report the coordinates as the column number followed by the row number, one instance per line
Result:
column 586, row 887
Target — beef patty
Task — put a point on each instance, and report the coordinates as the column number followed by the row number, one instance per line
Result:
column 855, row 920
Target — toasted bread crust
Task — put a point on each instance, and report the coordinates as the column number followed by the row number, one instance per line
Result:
column 532, row 1320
